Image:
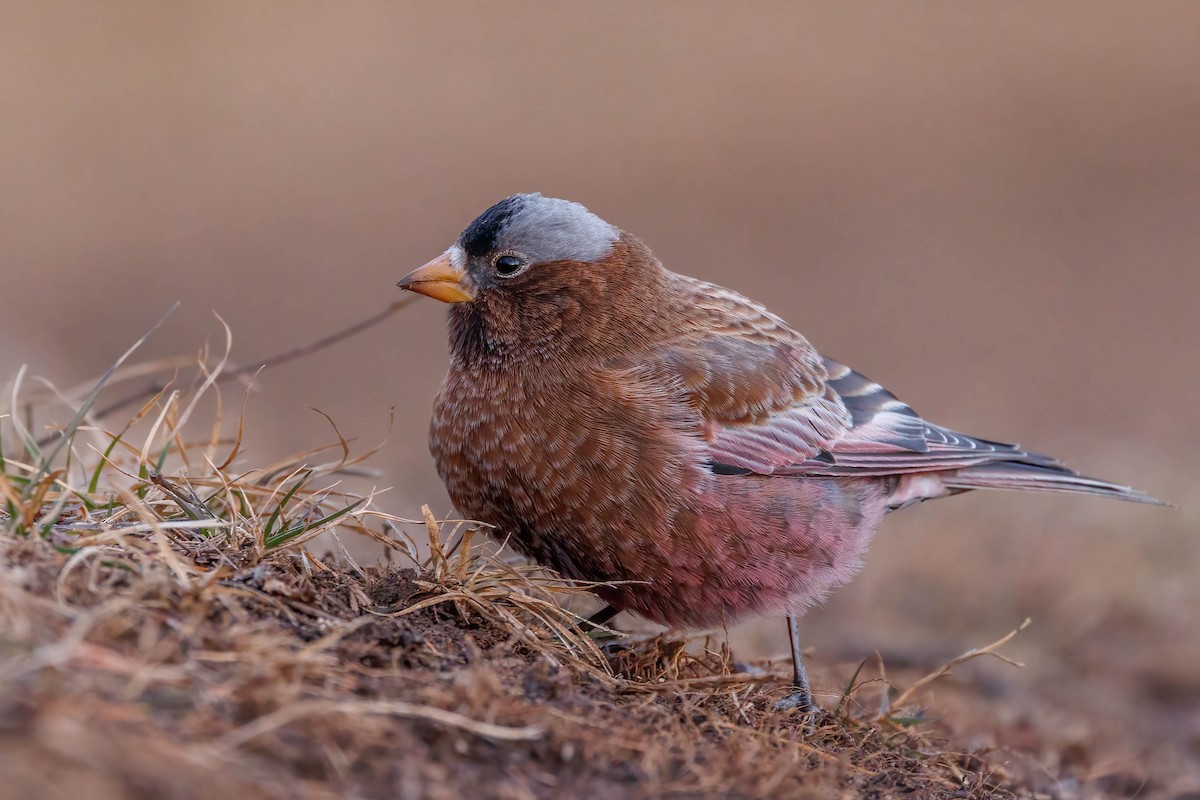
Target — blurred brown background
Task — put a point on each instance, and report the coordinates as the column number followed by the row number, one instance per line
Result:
column 992, row 209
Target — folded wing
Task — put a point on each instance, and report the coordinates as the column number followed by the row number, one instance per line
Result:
column 772, row 405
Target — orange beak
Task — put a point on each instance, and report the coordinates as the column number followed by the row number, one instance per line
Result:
column 441, row 280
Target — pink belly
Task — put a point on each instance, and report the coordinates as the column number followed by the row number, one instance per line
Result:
column 756, row 546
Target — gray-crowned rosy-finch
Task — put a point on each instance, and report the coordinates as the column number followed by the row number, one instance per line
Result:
column 625, row 424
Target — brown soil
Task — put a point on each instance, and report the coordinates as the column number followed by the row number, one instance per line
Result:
column 156, row 667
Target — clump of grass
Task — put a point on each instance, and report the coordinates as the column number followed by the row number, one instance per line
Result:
column 167, row 628
column 85, row 486
column 152, row 475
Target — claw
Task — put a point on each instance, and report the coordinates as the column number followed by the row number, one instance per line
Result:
column 799, row 698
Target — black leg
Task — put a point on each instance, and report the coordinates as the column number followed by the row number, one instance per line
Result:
column 601, row 617
column 801, row 696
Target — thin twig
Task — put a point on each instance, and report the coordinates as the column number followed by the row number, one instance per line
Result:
column 702, row 682
column 241, row 372
column 989, row 650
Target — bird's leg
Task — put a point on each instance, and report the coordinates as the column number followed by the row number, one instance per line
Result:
column 598, row 619
column 801, row 696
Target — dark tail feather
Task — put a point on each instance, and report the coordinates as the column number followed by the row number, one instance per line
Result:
column 1035, row 477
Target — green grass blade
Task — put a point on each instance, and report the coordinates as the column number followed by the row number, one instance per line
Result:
column 291, row 533
column 278, row 512
column 94, row 483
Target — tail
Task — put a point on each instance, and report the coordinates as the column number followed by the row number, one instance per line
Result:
column 1044, row 477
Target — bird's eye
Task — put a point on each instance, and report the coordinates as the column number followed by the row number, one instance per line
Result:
column 508, row 265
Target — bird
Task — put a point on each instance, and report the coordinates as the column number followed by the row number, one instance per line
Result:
column 671, row 442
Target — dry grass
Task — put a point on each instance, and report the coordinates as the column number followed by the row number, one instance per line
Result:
column 166, row 631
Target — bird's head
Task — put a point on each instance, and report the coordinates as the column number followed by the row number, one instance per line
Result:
column 541, row 274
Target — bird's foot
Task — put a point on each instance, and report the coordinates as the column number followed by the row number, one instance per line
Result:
column 747, row 668
column 613, row 646
column 799, row 699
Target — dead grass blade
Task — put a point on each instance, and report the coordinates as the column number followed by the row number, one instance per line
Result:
column 438, row 716
column 945, row 669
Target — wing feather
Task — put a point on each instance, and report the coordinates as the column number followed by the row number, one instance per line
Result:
column 759, row 386
column 771, row 405
column 774, row 406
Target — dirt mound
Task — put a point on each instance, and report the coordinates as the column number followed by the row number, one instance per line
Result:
column 130, row 670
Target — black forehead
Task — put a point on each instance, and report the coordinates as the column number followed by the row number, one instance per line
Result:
column 480, row 237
